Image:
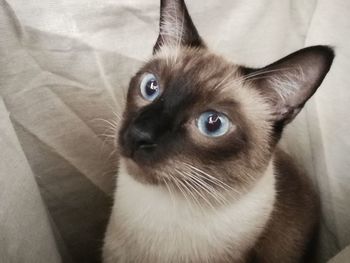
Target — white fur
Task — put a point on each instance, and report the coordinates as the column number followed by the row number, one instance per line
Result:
column 147, row 225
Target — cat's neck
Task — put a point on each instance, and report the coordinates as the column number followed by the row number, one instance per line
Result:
column 184, row 203
column 152, row 212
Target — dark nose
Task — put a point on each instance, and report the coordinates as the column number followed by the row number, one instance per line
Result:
column 140, row 139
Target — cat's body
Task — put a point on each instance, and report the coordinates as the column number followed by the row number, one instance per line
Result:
column 201, row 178
column 169, row 230
column 293, row 223
column 270, row 223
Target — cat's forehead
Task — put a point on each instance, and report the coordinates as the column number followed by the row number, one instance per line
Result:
column 206, row 71
column 198, row 75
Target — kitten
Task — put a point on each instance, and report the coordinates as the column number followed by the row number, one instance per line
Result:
column 201, row 178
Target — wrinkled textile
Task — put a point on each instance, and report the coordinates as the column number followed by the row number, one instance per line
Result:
column 64, row 71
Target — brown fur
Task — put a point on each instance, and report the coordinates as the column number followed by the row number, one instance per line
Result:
column 294, row 220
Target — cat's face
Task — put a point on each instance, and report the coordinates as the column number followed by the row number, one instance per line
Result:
column 192, row 110
column 194, row 119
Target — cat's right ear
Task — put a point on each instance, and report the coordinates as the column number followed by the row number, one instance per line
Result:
column 176, row 27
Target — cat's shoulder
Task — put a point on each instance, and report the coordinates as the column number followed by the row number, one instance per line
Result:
column 293, row 220
column 291, row 177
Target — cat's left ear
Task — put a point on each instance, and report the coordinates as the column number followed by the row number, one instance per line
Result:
column 176, row 26
column 288, row 83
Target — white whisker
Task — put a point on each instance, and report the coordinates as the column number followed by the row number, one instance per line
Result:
column 179, row 184
column 211, row 178
column 168, row 186
column 183, row 176
column 207, row 188
column 199, row 194
column 253, row 76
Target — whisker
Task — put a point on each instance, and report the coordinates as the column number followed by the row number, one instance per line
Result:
column 177, row 183
column 169, row 190
column 111, row 154
column 207, row 188
column 252, row 75
column 223, row 81
column 211, row 178
column 187, row 186
column 182, row 175
column 199, row 194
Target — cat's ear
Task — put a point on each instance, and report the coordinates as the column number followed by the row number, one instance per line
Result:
column 288, row 83
column 176, row 26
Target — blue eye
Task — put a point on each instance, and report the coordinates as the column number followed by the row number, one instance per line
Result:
column 213, row 124
column 149, row 87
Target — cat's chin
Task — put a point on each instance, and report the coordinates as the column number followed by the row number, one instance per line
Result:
column 142, row 174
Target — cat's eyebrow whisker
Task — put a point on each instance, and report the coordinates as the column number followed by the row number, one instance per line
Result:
column 251, row 76
column 263, row 71
column 259, row 73
column 223, row 80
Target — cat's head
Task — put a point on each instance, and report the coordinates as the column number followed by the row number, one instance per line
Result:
column 193, row 118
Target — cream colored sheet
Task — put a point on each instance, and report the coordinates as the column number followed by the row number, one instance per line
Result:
column 64, row 68
column 25, row 232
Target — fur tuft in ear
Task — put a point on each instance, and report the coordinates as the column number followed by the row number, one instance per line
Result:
column 288, row 83
column 176, row 26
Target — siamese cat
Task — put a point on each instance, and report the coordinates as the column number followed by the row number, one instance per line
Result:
column 201, row 178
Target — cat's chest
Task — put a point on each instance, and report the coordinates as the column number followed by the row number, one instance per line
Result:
column 171, row 228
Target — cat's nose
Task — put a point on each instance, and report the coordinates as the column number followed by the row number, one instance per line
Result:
column 141, row 140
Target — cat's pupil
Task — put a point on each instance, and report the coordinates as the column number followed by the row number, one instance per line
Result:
column 151, row 87
column 213, row 123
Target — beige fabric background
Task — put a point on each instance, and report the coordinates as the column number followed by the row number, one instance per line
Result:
column 64, row 68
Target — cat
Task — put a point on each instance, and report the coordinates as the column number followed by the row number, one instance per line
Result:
column 201, row 178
